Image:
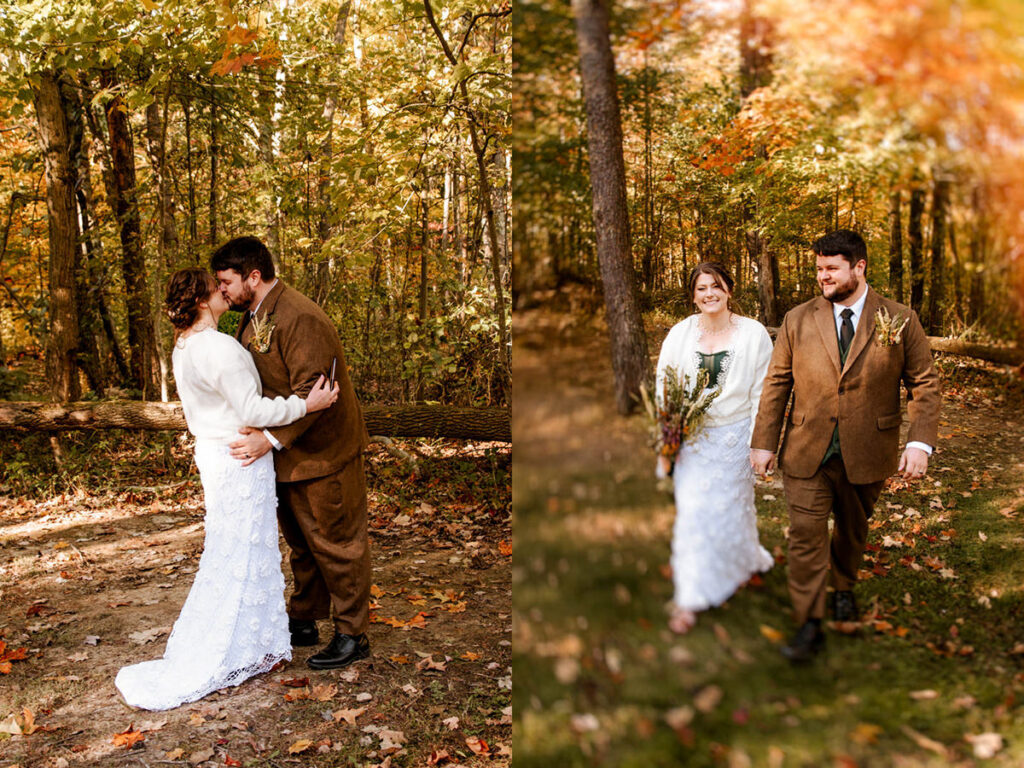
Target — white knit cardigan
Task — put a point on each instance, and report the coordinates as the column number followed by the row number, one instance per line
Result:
column 743, row 369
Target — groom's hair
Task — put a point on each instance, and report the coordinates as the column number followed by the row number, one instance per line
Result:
column 842, row 242
column 244, row 254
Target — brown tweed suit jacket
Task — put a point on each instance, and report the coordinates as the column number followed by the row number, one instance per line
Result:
column 863, row 398
column 302, row 345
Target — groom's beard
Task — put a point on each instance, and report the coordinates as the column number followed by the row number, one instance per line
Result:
column 243, row 302
column 841, row 291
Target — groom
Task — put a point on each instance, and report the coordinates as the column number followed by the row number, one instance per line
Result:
column 843, row 368
column 321, row 490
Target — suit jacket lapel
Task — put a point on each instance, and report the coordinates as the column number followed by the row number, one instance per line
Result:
column 267, row 307
column 826, row 322
column 865, row 329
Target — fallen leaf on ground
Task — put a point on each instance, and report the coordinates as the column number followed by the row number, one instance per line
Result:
column 296, row 682
column 478, row 745
column 679, row 717
column 866, row 733
column 923, row 741
column 429, row 663
column 78, row 656
column 10, row 725
column 707, row 698
column 924, row 695
column 146, row 635
column 470, row 656
column 230, row 761
column 986, row 745
column 174, row 754
column 772, row 634
column 300, row 746
column 127, row 738
column 348, row 715
column 438, row 757
column 92, row 640
column 391, row 741
column 323, row 692
column 201, row 756
column 451, row 723
column 505, row 547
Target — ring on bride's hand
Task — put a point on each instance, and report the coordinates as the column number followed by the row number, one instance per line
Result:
column 247, row 456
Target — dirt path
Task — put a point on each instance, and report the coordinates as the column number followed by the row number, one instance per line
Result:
column 90, row 583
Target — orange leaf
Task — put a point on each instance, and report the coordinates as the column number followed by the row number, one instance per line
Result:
column 229, row 760
column 478, row 745
column 438, row 757
column 300, row 746
column 469, row 656
column 127, row 738
column 505, row 547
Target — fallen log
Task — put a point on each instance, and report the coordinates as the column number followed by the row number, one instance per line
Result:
column 389, row 420
column 988, row 352
column 1004, row 355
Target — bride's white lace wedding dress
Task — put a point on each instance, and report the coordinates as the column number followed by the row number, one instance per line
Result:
column 715, row 545
column 233, row 623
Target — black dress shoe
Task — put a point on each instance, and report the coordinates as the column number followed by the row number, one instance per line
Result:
column 844, row 606
column 340, row 652
column 303, row 631
column 806, row 644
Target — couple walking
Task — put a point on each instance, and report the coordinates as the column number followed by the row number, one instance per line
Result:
column 842, row 357
column 277, row 426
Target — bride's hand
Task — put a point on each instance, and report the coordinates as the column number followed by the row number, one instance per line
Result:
column 666, row 465
column 322, row 395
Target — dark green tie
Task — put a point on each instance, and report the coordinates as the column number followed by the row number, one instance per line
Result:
column 845, row 333
column 845, row 339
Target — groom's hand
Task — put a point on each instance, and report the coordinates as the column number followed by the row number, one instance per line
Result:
column 913, row 463
column 762, row 462
column 250, row 447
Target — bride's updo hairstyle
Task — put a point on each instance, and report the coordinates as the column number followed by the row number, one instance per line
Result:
column 185, row 289
column 720, row 275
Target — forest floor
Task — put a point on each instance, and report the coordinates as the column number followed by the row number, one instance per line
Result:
column 933, row 676
column 96, row 561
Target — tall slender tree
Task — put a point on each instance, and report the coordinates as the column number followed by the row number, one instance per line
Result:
column 630, row 361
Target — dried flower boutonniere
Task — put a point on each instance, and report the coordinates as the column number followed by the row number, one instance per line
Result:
column 888, row 329
column 261, row 332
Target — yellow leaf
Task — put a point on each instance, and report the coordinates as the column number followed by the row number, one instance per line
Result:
column 174, row 754
column 149, row 5
column 300, row 746
column 866, row 733
column 772, row 634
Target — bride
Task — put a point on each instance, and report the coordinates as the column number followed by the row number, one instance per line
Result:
column 233, row 624
column 715, row 547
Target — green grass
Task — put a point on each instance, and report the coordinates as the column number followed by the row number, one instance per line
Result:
column 597, row 672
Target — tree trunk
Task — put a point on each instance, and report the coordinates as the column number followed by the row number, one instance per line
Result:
column 193, row 224
column 327, row 145
column 62, row 341
column 90, row 360
column 895, row 247
column 213, row 169
column 487, row 202
column 958, row 295
column 978, row 238
column 630, row 362
column 141, row 339
column 156, row 148
column 937, row 288
column 915, row 242
column 391, row 420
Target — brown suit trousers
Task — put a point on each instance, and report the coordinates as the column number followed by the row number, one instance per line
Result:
column 321, row 488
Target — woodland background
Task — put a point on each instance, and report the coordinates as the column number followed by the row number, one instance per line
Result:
column 364, row 141
column 752, row 128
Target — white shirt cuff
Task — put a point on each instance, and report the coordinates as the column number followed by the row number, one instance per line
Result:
column 922, row 446
column 278, row 446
